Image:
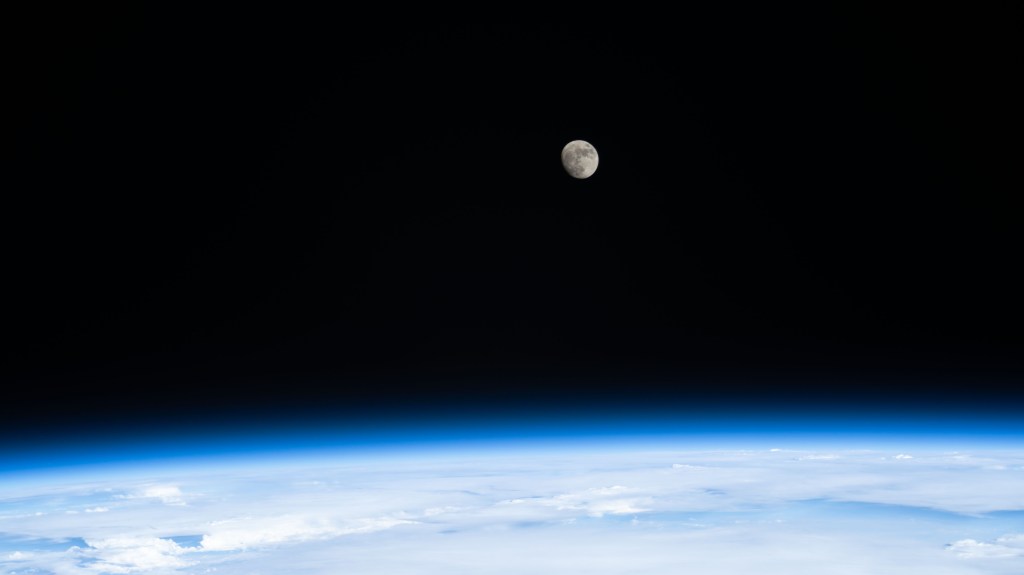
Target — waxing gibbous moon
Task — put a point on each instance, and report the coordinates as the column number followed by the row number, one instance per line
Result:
column 579, row 158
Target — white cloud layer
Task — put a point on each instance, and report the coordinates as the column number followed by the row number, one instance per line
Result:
column 242, row 534
column 714, row 512
column 1006, row 546
column 166, row 494
column 131, row 554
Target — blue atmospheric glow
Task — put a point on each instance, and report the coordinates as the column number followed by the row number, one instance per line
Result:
column 534, row 433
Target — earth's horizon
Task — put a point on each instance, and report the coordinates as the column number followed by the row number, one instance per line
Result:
column 644, row 503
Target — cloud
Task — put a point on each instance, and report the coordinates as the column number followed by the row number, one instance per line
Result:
column 165, row 493
column 131, row 554
column 598, row 501
column 817, row 456
column 240, row 534
column 168, row 494
column 1005, row 546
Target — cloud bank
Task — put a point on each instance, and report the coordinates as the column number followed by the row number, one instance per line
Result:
column 770, row 511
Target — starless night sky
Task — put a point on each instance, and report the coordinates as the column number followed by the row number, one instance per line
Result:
column 264, row 214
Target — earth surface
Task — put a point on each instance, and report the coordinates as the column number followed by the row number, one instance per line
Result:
column 636, row 506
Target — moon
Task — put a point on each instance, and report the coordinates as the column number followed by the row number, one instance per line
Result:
column 579, row 158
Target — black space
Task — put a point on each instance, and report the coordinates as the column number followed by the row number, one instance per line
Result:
column 207, row 213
